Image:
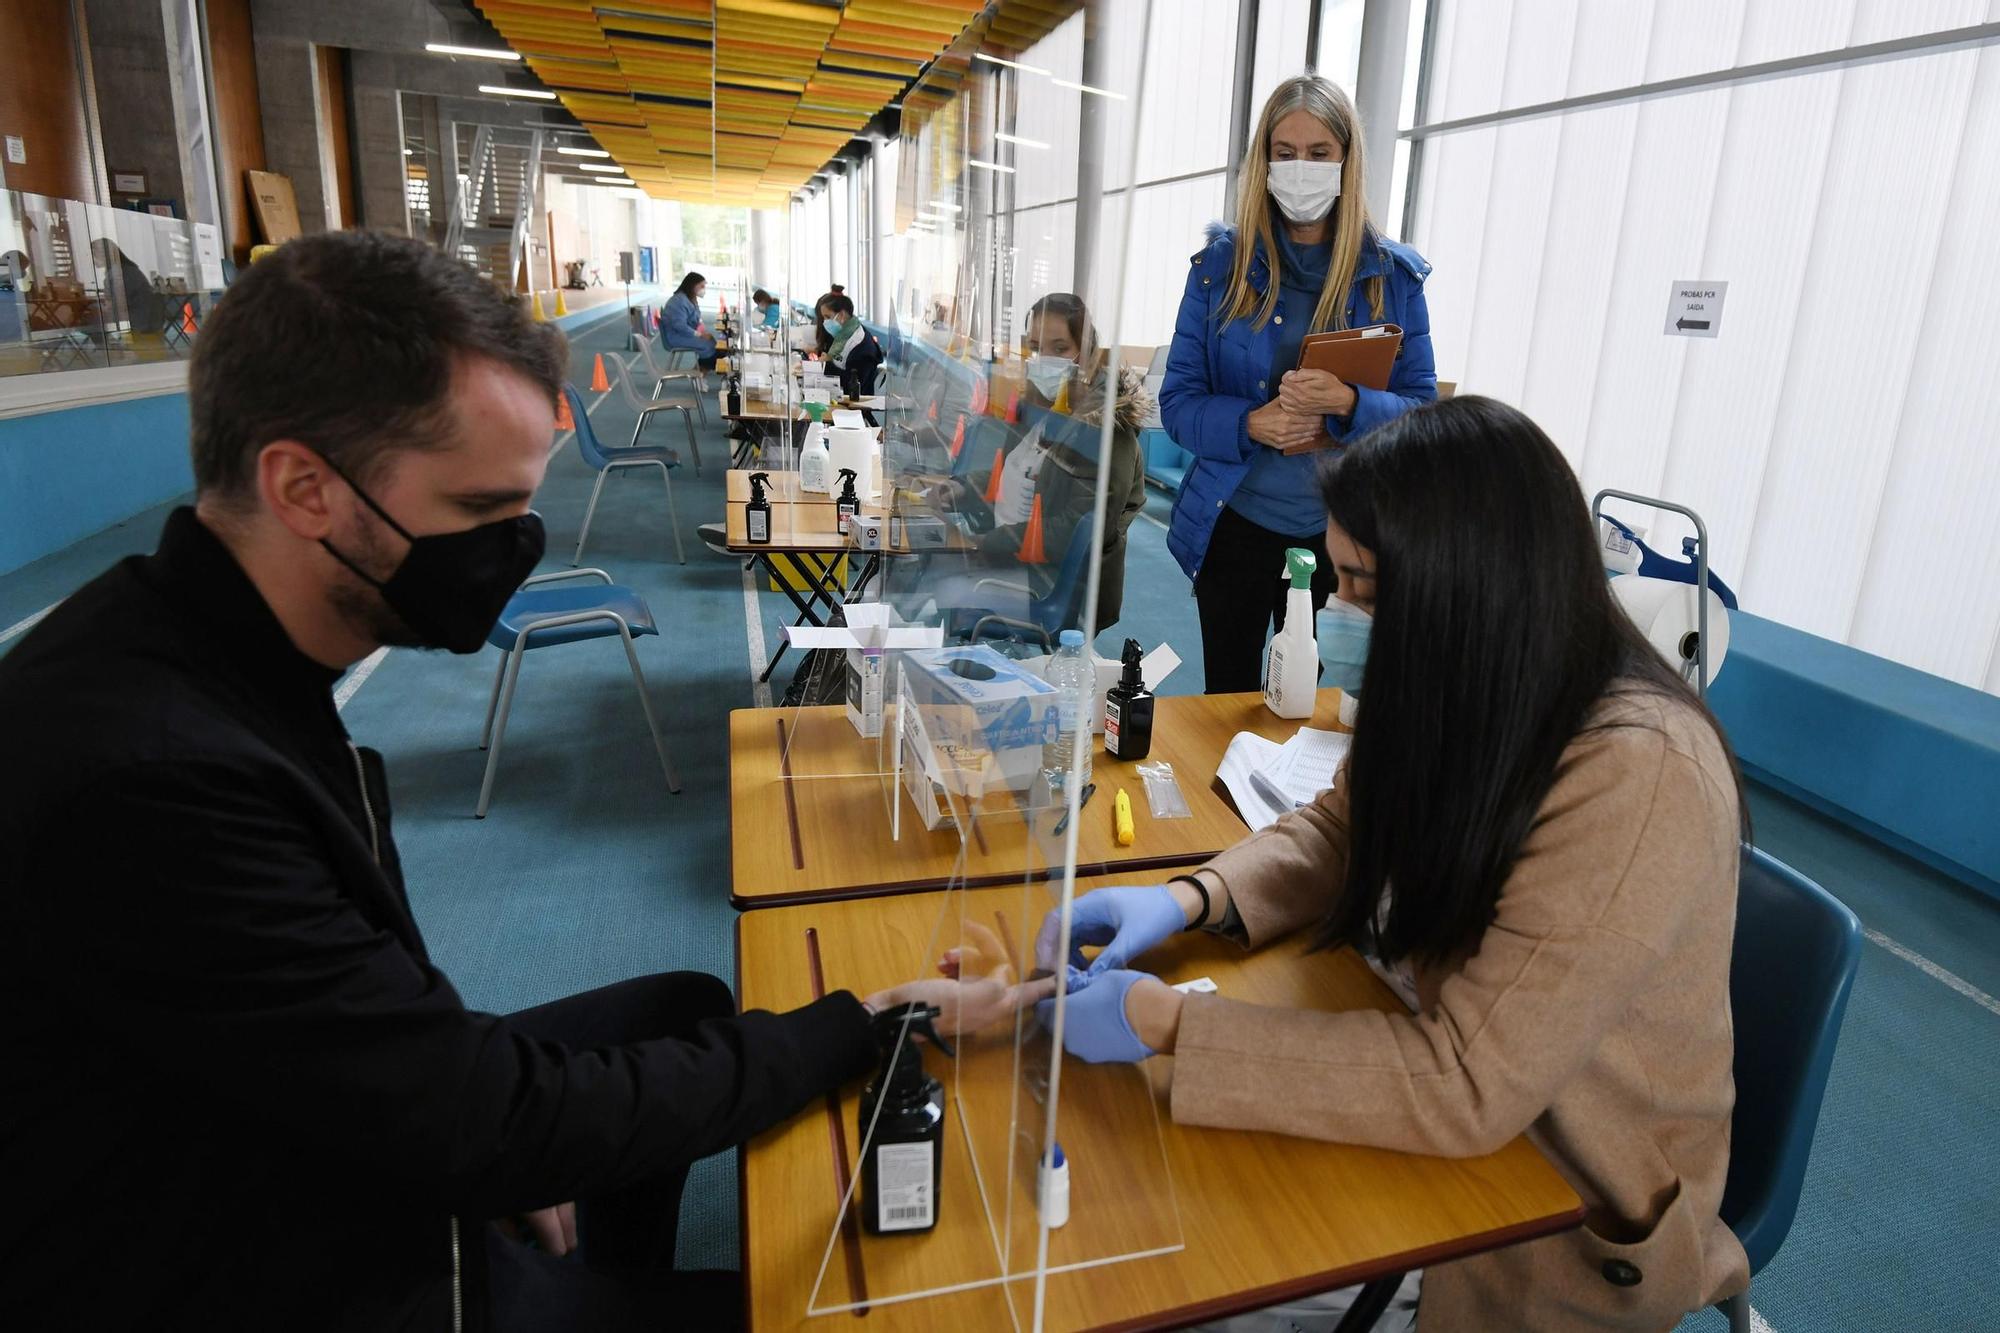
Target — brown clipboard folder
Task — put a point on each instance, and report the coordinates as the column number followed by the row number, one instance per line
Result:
column 1354, row 356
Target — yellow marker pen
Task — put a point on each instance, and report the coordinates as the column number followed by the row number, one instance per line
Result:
column 1121, row 813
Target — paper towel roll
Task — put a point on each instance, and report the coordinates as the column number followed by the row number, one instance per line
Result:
column 1666, row 612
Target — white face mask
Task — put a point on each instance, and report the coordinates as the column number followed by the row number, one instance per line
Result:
column 1047, row 373
column 1305, row 191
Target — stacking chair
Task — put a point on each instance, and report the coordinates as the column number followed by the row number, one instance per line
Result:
column 1797, row 949
column 1048, row 616
column 645, row 408
column 665, row 368
column 542, row 617
column 605, row 461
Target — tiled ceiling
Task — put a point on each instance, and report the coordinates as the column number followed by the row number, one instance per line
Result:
column 727, row 101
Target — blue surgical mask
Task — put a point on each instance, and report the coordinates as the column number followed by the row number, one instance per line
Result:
column 833, row 326
column 1343, row 644
column 1047, row 373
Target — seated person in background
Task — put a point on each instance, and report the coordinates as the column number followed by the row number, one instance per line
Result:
column 680, row 322
column 768, row 314
column 847, row 346
column 239, row 1093
column 1050, row 462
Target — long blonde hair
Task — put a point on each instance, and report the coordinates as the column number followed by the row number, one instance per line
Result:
column 1327, row 104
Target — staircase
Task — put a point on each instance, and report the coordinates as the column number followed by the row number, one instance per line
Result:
column 498, row 201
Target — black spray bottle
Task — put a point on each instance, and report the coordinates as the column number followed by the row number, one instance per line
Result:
column 735, row 404
column 757, row 515
column 902, row 1164
column 849, row 503
column 1128, row 711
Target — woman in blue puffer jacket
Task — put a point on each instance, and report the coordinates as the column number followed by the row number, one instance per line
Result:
column 1232, row 396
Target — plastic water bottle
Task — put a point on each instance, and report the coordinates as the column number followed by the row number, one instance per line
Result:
column 1075, row 680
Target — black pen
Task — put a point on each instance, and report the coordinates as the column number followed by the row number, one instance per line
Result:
column 1089, row 790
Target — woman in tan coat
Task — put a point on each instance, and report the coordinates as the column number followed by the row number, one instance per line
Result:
column 1535, row 840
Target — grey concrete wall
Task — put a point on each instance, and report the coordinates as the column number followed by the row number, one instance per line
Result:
column 286, row 94
column 135, row 96
column 378, row 157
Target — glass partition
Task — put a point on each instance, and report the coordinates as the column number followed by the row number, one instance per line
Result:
column 85, row 285
column 961, row 515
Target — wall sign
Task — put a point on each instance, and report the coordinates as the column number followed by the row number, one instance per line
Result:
column 1695, row 308
column 17, row 149
column 128, row 182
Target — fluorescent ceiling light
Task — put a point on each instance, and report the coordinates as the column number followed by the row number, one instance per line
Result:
column 987, row 166
column 582, row 152
column 1086, row 88
column 499, row 91
column 949, row 208
column 1010, row 64
column 476, row 52
column 1015, row 138
column 594, row 166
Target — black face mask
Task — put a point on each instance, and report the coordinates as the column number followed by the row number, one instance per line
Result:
column 452, row 586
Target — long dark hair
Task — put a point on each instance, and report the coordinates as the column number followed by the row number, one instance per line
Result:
column 1494, row 634
column 689, row 283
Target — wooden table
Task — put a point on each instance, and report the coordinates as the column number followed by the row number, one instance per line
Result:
column 798, row 833
column 1260, row 1217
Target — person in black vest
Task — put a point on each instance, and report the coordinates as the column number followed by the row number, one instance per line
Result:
column 238, row 1092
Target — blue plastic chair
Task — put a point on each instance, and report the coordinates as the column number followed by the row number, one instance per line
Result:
column 1797, row 949
column 542, row 617
column 606, row 461
column 1059, row 609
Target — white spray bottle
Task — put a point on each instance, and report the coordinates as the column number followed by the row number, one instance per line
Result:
column 1291, row 666
column 816, row 461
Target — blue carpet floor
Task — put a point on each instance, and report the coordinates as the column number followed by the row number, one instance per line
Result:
column 588, row 871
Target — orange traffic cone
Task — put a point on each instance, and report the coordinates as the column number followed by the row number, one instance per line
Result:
column 187, row 317
column 993, row 482
column 1032, row 552
column 958, row 437
column 564, row 421
column 1061, row 403
column 980, row 396
column 599, row 382
column 1014, row 407
column 931, row 416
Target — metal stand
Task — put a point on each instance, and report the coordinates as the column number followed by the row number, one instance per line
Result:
column 1700, row 571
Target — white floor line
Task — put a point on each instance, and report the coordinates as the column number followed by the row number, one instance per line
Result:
column 358, row 677
column 753, row 630
column 1758, row 1323
column 20, row 627
column 1154, row 521
column 1932, row 970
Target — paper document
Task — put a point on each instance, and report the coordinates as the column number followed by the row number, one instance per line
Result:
column 1267, row 779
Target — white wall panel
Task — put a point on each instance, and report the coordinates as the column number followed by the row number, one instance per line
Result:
column 1451, row 233
column 1759, row 240
column 1931, row 589
column 1281, row 49
column 1609, row 51
column 1515, row 234
column 1049, row 114
column 1585, row 215
column 1170, row 221
column 1538, row 51
column 1880, row 216
column 1778, row 29
column 1186, row 123
column 1697, row 36
column 1885, row 20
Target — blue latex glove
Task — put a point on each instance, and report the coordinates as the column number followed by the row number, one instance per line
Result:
column 1127, row 921
column 1096, row 1029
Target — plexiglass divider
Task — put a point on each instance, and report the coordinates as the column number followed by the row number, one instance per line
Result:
column 946, row 736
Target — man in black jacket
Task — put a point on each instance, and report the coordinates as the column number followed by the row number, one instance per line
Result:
column 237, row 1093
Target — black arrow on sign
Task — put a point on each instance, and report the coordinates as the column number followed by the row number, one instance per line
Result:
column 1690, row 323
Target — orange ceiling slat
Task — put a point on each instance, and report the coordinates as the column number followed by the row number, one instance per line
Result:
column 728, row 100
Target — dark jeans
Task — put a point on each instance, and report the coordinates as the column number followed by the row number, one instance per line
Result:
column 1241, row 592
column 622, row 1275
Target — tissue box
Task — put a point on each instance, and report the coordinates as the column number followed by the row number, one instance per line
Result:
column 983, row 711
